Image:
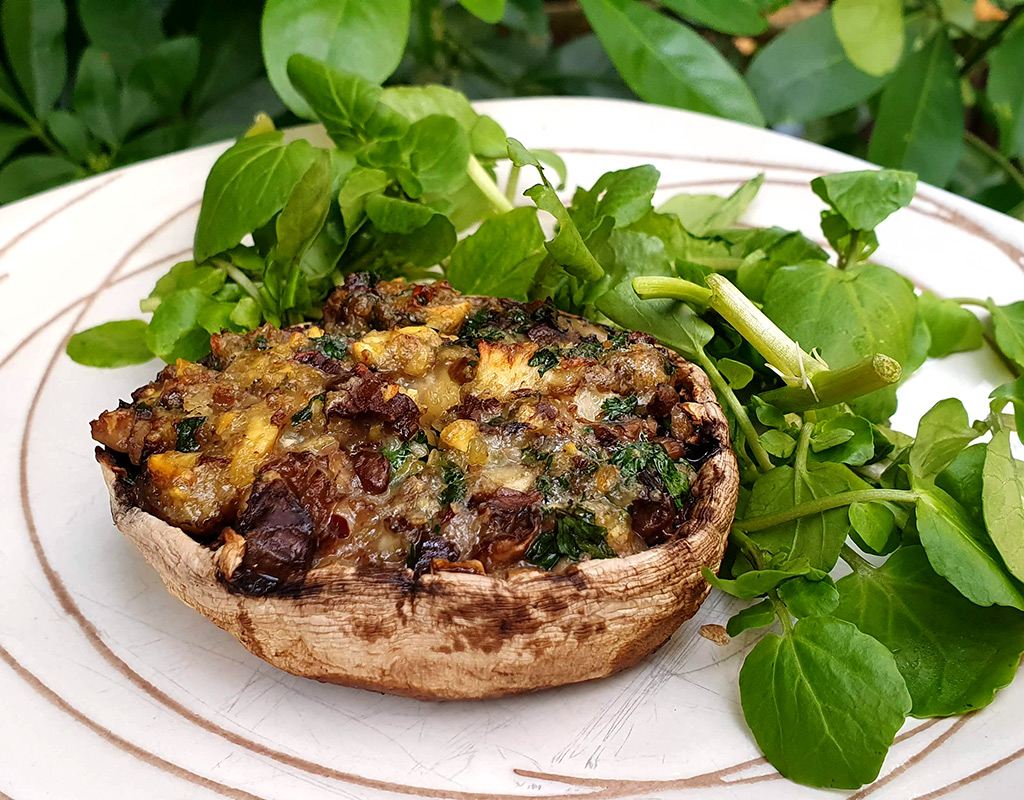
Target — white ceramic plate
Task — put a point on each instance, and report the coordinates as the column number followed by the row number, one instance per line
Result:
column 110, row 687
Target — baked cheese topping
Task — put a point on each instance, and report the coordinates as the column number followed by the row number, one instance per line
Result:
column 414, row 428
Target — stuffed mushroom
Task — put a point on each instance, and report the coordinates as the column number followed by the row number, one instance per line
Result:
column 430, row 494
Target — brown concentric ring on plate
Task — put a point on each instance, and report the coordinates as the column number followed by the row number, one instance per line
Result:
column 447, row 634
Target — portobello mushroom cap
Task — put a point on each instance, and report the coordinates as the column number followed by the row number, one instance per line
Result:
column 453, row 635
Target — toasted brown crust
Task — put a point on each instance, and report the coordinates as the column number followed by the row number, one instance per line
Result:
column 454, row 635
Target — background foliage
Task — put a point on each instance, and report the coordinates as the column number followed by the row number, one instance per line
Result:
column 931, row 86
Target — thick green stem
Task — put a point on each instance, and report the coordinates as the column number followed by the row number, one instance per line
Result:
column 486, row 184
column 803, row 446
column 855, row 560
column 781, row 612
column 512, row 184
column 754, row 524
column 851, row 250
column 748, row 547
column 833, row 386
column 725, row 392
column 752, row 324
column 658, row 286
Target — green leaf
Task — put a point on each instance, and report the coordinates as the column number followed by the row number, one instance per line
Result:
column 952, row 327
column 304, row 213
column 920, row 123
column 167, row 72
column 847, row 315
column 758, row 615
column 962, row 480
column 1008, row 325
column 804, row 74
column 520, row 156
column 824, row 702
column 247, row 314
column 416, row 102
column 487, row 140
column 843, row 439
column 424, row 247
column 490, row 11
column 11, row 136
column 175, row 332
column 1006, row 91
column 960, row 551
column 9, row 99
column 394, row 215
column 737, row 18
column 70, row 133
column 438, row 151
column 941, row 434
column 567, row 248
column 952, row 654
column 347, row 104
column 361, row 184
column 761, row 581
column 777, row 443
column 216, row 317
column 33, row 32
column 736, row 372
column 809, row 598
column 666, row 62
column 673, row 323
column 1012, row 393
column 815, row 537
column 866, row 197
column 246, row 187
column 27, row 175
column 186, row 275
column 496, row 259
column 125, row 30
column 874, row 525
column 871, row 32
column 97, row 96
column 112, row 344
column 624, row 195
column 366, row 37
column 1003, row 502
column 703, row 213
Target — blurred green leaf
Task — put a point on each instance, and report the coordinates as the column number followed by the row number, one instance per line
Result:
column 10, row 137
column 27, row 175
column 126, row 30
column 71, row 134
column 871, row 32
column 666, row 62
column 1006, row 90
column 920, row 124
column 804, row 74
column 167, row 72
column 735, row 17
column 366, row 37
column 33, row 33
column 488, row 10
column 97, row 97
column 112, row 344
